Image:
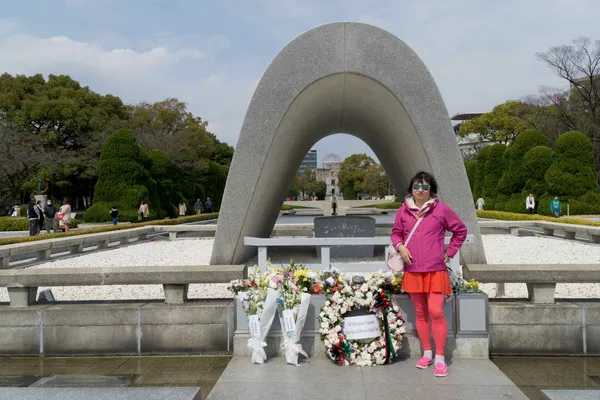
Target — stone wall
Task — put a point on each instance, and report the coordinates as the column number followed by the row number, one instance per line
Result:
column 564, row 328
column 117, row 328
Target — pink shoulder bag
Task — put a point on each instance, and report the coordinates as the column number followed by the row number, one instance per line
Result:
column 394, row 261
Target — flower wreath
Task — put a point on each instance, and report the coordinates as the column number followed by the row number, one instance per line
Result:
column 374, row 294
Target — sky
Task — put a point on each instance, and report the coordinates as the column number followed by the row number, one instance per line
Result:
column 212, row 54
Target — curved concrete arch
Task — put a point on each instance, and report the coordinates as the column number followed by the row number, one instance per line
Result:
column 341, row 77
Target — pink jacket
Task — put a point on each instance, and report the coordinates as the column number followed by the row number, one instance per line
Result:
column 427, row 243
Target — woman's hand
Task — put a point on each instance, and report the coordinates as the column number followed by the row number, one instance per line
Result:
column 405, row 254
column 445, row 258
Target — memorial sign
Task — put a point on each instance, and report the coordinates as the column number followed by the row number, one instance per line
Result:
column 361, row 327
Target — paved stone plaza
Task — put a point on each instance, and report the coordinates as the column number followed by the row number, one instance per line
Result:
column 86, row 372
column 321, row 379
column 500, row 378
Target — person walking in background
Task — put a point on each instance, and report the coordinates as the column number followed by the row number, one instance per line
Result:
column 34, row 217
column 198, row 207
column 333, row 204
column 40, row 211
column 208, row 205
column 426, row 219
column 530, row 203
column 50, row 214
column 143, row 211
column 65, row 215
column 182, row 208
column 555, row 207
column 114, row 215
column 480, row 203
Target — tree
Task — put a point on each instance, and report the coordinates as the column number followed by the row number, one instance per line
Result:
column 169, row 127
column 579, row 65
column 353, row 172
column 501, row 125
column 65, row 125
column 319, row 188
column 514, row 176
column 376, row 181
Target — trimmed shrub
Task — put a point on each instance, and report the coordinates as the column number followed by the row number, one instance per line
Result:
column 13, row 224
column 10, row 224
column 516, row 203
column 490, row 203
column 515, row 175
column 493, row 170
column 588, row 204
column 123, row 178
column 572, row 170
column 536, row 163
column 480, row 172
column 471, row 168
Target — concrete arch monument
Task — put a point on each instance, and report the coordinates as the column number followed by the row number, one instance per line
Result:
column 340, row 77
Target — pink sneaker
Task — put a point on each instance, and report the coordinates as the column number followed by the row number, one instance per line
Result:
column 424, row 362
column 440, row 369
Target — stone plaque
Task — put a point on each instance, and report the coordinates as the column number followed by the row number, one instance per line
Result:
column 346, row 226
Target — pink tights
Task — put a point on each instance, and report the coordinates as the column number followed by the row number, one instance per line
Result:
column 430, row 305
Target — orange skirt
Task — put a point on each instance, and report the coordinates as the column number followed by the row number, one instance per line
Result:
column 427, row 282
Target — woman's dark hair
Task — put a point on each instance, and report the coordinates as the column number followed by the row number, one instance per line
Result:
column 421, row 177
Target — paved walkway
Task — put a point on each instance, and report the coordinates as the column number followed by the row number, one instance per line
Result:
column 535, row 374
column 321, row 379
column 85, row 372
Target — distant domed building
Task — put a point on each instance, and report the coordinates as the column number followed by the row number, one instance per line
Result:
column 329, row 173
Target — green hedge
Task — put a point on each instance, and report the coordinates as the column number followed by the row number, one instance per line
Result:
column 10, row 224
column 385, row 206
column 110, row 228
column 506, row 216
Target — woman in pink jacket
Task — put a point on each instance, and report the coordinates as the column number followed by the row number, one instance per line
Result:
column 425, row 275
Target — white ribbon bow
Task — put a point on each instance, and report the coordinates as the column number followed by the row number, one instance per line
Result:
column 292, row 350
column 258, row 353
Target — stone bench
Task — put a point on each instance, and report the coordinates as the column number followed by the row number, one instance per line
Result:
column 570, row 230
column 43, row 249
column 198, row 230
column 325, row 244
column 512, row 226
column 541, row 279
column 22, row 284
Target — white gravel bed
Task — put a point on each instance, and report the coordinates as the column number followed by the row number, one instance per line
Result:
column 151, row 253
column 500, row 249
column 509, row 249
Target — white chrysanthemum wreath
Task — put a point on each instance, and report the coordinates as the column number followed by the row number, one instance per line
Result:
column 374, row 295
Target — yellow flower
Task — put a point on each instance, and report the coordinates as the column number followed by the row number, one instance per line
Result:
column 340, row 279
column 278, row 271
column 300, row 274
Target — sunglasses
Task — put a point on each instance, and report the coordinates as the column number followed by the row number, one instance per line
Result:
column 418, row 186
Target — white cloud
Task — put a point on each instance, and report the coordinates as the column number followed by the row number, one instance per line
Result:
column 8, row 26
column 28, row 54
